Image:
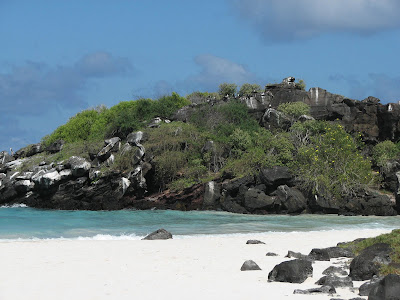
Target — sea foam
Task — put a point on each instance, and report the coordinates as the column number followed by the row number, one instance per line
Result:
column 15, row 205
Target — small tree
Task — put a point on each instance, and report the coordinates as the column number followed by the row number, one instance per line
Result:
column 301, row 84
column 294, row 109
column 385, row 151
column 248, row 89
column 227, row 89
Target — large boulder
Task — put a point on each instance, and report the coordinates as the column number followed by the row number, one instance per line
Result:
column 257, row 199
column 136, row 138
column 79, row 166
column 333, row 270
column 276, row 119
column 55, row 147
column 29, row 150
column 335, row 252
column 319, row 254
column 388, row 173
column 335, row 281
column 23, row 186
column 291, row 199
column 229, row 204
column 366, row 287
column 294, row 271
column 368, row 262
column 111, row 145
column 249, row 265
column 275, row 176
column 160, row 234
column 231, row 187
column 323, row 204
column 370, row 202
column 387, row 289
column 45, row 180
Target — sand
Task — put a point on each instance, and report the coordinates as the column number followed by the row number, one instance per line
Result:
column 202, row 267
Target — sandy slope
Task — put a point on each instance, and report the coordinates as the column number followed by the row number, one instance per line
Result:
column 189, row 268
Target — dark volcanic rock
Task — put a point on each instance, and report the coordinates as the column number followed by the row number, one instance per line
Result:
column 253, row 242
column 160, row 234
column 335, row 252
column 294, row 271
column 365, row 288
column 257, row 199
column 249, row 265
column 387, row 289
column 293, row 254
column 271, row 254
column 319, row 254
column 292, row 200
column 231, row 187
column 275, row 176
column 332, row 270
column 367, row 263
column 276, row 119
column 370, row 203
column 325, row 289
column 322, row 204
column 55, row 147
column 228, row 204
column 335, row 281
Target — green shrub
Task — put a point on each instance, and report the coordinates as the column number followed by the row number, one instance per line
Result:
column 227, row 89
column 120, row 120
column 294, row 109
column 166, row 106
column 301, row 84
column 385, row 151
column 176, row 148
column 247, row 89
column 201, row 97
column 78, row 128
column 252, row 151
column 331, row 163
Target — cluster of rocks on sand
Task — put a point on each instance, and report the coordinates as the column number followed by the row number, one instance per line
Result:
column 348, row 268
column 345, row 269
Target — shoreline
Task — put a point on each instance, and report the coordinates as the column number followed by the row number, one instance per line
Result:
column 197, row 267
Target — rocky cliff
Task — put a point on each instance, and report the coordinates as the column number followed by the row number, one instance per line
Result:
column 78, row 183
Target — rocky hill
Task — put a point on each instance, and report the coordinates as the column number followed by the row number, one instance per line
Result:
column 243, row 154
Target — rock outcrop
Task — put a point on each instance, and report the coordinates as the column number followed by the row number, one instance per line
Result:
column 81, row 183
column 294, row 271
column 368, row 262
column 160, row 234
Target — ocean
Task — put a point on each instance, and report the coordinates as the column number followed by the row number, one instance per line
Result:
column 19, row 222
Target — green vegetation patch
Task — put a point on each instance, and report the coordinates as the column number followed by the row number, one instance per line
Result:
column 328, row 160
column 294, row 109
column 120, row 120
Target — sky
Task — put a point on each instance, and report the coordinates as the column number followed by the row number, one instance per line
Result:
column 58, row 58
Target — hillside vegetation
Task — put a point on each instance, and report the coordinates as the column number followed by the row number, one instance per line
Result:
column 226, row 139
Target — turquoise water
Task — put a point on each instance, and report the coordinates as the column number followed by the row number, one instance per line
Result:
column 29, row 223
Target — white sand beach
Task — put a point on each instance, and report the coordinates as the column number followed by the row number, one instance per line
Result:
column 203, row 267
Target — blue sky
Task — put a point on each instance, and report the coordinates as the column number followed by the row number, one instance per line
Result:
column 60, row 57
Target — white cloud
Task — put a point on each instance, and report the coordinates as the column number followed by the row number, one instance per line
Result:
column 36, row 87
column 216, row 70
column 294, row 19
column 37, row 90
